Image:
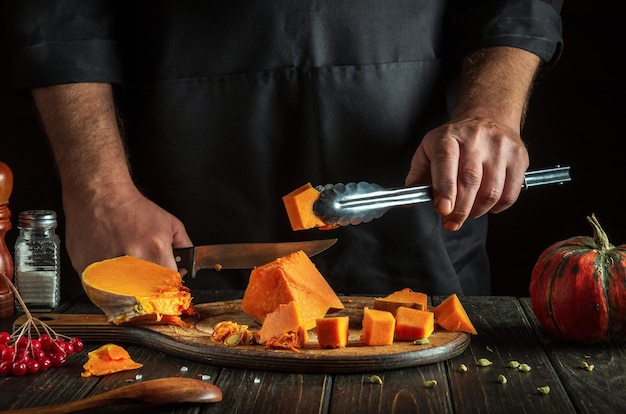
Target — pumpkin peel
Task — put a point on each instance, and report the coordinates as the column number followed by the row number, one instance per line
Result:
column 126, row 288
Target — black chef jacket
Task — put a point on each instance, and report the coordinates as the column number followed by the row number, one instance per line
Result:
column 229, row 105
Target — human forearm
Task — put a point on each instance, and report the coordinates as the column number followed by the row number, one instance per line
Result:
column 496, row 84
column 81, row 124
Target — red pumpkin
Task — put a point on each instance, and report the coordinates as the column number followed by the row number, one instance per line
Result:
column 578, row 288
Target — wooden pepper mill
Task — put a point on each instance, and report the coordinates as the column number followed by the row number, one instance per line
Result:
column 6, row 261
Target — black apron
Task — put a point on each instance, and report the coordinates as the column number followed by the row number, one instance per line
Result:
column 242, row 102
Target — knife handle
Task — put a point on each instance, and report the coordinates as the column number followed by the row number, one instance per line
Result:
column 185, row 257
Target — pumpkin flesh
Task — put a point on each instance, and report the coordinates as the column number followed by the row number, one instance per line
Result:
column 290, row 278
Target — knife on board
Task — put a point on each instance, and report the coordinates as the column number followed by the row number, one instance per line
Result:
column 242, row 255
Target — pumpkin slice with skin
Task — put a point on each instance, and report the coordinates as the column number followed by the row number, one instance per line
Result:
column 412, row 324
column 332, row 332
column 290, row 278
column 378, row 327
column 286, row 318
column 405, row 297
column 108, row 359
column 451, row 316
column 127, row 288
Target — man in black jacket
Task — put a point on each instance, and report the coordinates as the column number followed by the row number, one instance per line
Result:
column 221, row 108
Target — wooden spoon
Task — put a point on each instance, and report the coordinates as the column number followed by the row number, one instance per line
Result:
column 158, row 391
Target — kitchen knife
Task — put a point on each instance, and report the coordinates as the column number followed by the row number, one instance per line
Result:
column 242, row 255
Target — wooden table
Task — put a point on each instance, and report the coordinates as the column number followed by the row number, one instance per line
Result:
column 507, row 331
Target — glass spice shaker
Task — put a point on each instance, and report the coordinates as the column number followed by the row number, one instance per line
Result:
column 38, row 261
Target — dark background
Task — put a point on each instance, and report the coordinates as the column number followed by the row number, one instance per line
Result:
column 576, row 118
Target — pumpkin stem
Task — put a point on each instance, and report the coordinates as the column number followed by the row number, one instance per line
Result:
column 599, row 235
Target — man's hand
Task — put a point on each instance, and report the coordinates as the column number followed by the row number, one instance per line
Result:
column 105, row 214
column 476, row 162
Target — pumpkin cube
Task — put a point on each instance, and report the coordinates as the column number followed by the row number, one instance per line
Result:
column 333, row 332
column 299, row 206
column 378, row 327
column 412, row 324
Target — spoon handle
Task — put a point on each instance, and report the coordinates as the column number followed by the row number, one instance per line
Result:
column 159, row 391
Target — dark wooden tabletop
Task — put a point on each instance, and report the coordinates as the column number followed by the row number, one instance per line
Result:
column 507, row 331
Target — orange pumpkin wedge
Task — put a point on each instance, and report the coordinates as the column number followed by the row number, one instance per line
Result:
column 378, row 327
column 412, row 324
column 108, row 359
column 290, row 278
column 451, row 316
column 127, row 288
column 332, row 332
column 286, row 318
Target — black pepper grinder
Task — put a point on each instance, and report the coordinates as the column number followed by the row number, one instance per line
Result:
column 6, row 261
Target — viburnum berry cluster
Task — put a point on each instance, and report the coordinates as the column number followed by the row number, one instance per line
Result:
column 34, row 346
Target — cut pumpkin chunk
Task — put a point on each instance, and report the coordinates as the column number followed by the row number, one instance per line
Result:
column 405, row 297
column 332, row 332
column 451, row 316
column 126, row 288
column 290, row 278
column 378, row 327
column 412, row 324
column 108, row 359
column 299, row 206
column 285, row 319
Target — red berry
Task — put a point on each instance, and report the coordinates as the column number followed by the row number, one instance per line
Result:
column 19, row 368
column 37, row 354
column 22, row 342
column 7, row 354
column 45, row 363
column 78, row 344
column 5, row 338
column 33, row 366
column 6, row 368
column 58, row 359
column 46, row 341
column 35, row 344
column 69, row 348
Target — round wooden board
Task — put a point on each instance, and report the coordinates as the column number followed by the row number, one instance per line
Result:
column 195, row 343
column 356, row 357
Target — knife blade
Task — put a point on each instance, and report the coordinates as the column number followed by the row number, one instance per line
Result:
column 242, row 255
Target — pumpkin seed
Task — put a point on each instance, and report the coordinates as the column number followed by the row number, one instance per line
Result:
column 590, row 367
column 233, row 339
column 544, row 390
column 524, row 367
column 375, row 379
column 422, row 341
column 513, row 364
column 501, row 379
column 463, row 368
column 430, row 383
column 583, row 365
column 484, row 362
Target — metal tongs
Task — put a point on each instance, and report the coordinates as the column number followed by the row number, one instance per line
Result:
column 355, row 203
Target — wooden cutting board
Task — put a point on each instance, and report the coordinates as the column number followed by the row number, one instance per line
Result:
column 195, row 343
